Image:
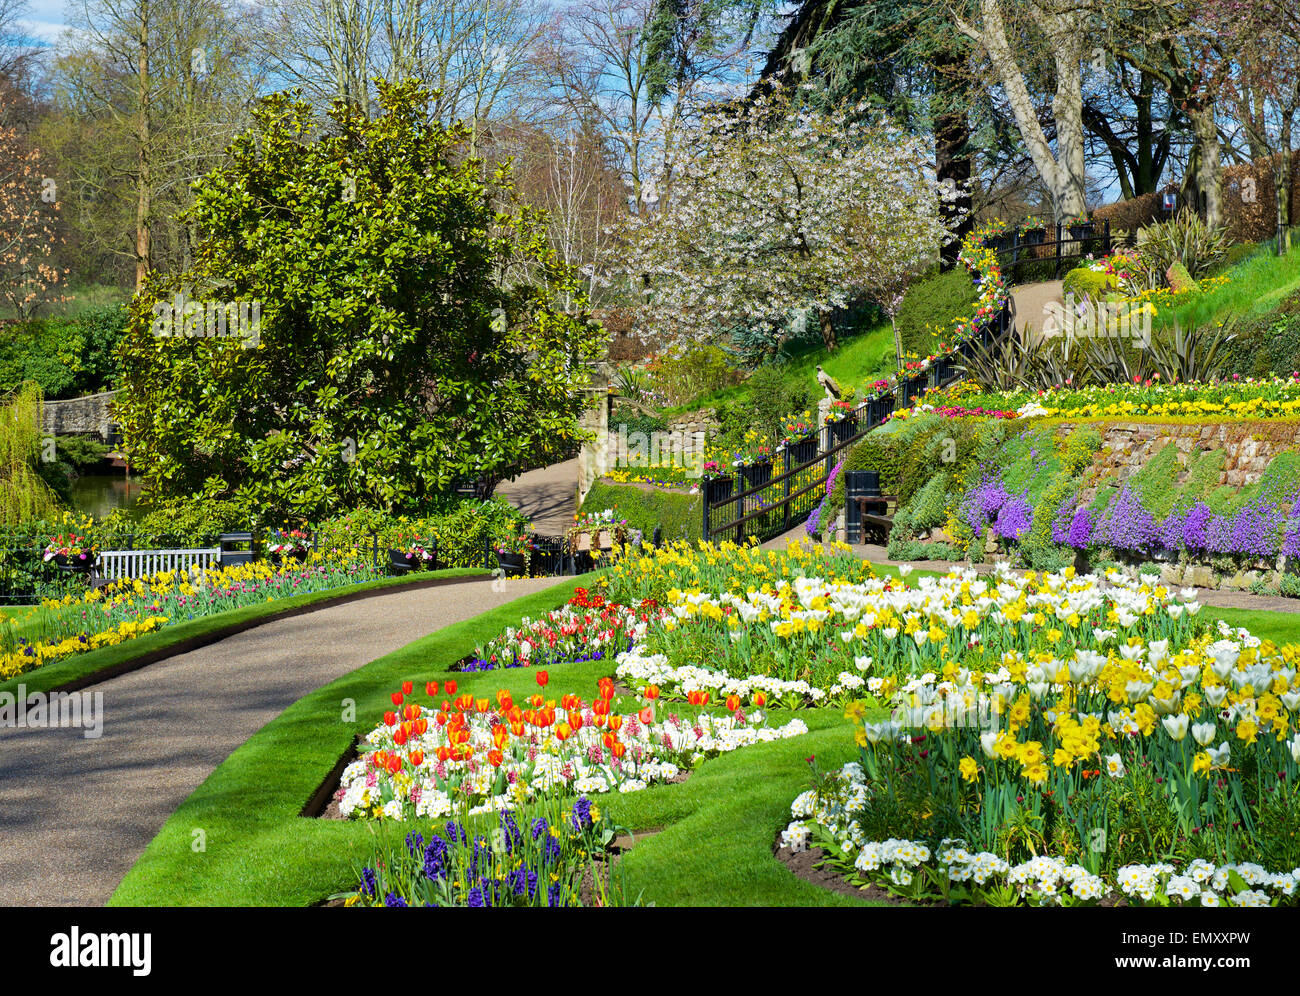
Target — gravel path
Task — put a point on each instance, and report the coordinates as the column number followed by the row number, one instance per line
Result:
column 1032, row 301
column 75, row 813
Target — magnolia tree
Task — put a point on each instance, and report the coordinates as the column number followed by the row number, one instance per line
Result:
column 777, row 213
column 29, row 211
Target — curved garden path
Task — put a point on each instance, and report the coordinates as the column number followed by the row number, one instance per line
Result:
column 546, row 496
column 75, row 813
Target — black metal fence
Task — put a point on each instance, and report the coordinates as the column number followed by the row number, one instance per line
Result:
column 760, row 502
column 1027, row 256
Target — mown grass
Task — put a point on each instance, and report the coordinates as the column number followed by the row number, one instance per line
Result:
column 1257, row 284
column 864, row 357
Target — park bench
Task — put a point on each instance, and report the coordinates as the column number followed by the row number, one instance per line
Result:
column 114, row 565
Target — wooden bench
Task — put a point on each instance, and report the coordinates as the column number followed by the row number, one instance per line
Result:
column 874, row 514
column 115, row 565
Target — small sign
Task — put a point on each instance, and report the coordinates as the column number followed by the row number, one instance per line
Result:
column 1170, row 200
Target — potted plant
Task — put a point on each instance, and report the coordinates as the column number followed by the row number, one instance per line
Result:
column 1032, row 231
column 993, row 235
column 601, row 530
column 514, row 554
column 800, row 438
column 70, row 552
column 290, row 544
column 841, row 422
column 412, row 554
column 1080, row 227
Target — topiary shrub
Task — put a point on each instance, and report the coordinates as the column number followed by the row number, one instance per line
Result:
column 930, row 306
column 644, row 508
column 1084, row 282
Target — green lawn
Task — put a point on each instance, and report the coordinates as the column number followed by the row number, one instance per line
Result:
column 1258, row 284
column 866, row 356
column 718, row 826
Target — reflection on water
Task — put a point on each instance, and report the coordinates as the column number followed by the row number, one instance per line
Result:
column 99, row 494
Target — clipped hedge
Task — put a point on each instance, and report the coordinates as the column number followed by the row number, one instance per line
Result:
column 930, row 306
column 1083, row 282
column 644, row 508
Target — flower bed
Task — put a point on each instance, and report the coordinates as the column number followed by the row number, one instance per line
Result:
column 539, row 856
column 121, row 611
column 588, row 628
column 431, row 760
column 1102, row 758
column 816, row 630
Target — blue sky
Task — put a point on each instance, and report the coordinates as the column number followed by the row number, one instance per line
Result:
column 45, row 19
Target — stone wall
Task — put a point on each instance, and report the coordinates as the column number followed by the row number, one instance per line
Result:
column 88, row 416
column 1248, row 448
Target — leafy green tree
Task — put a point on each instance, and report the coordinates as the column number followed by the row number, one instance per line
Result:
column 411, row 328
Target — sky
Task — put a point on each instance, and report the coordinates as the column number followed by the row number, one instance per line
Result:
column 45, row 19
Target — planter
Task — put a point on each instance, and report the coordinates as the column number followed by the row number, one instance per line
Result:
column 298, row 555
column 717, row 489
column 803, row 451
column 401, row 561
column 843, row 430
column 1085, row 231
column 1033, row 236
column 755, row 475
column 76, row 564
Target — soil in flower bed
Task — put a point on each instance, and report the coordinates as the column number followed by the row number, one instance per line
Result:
column 322, row 804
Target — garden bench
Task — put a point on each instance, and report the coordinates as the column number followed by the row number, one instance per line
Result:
column 114, row 565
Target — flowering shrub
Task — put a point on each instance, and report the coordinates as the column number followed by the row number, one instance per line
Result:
column 68, row 545
column 1182, row 747
column 483, row 755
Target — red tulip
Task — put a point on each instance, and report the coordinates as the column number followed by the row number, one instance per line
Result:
column 431, row 689
column 543, row 678
column 450, row 687
column 407, row 687
column 397, row 698
column 390, row 719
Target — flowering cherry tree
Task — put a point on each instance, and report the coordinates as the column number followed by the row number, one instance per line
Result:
column 28, row 218
column 778, row 211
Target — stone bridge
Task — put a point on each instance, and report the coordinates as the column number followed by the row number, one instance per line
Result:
column 88, row 416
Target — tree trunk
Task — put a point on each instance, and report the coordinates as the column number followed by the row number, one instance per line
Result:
column 1209, row 164
column 898, row 344
column 951, row 135
column 828, row 332
column 143, row 220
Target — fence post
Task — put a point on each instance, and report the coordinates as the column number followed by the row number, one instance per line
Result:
column 374, row 549
column 487, row 553
column 1105, row 241
column 704, row 504
column 785, row 489
column 1056, row 271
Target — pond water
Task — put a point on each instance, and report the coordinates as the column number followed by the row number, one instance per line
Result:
column 99, row 494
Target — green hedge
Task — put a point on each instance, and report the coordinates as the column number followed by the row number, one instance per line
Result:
column 1083, row 282
column 931, row 305
column 644, row 508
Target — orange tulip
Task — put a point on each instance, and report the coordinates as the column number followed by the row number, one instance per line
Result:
column 618, row 750
column 609, row 740
column 615, row 723
column 760, row 699
column 575, row 719
column 733, row 703
column 421, row 726
column 517, row 729
column 480, row 705
column 500, row 735
column 444, row 753
column 394, row 764
column 390, row 719
column 416, row 758
column 399, row 737
column 407, row 687
column 495, row 758
column 441, row 718
column 536, row 701
column 600, row 707
column 431, row 689
column 563, row 730
column 451, row 687
column 503, row 698
column 411, row 711
column 652, row 692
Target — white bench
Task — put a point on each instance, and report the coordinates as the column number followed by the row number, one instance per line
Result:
column 113, row 565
